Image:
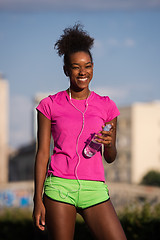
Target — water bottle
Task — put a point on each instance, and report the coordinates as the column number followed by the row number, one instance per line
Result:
column 93, row 146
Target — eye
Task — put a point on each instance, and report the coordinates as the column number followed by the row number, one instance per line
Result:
column 75, row 67
column 88, row 66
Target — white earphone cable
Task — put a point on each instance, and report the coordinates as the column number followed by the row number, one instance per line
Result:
column 83, row 113
column 76, row 174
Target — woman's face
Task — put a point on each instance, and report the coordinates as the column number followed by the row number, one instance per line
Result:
column 80, row 70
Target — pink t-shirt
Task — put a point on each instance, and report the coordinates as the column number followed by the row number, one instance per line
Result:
column 68, row 160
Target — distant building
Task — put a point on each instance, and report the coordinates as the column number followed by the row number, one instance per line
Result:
column 138, row 143
column 21, row 163
column 37, row 99
column 4, row 103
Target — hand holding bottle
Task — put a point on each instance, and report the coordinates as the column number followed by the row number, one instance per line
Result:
column 106, row 135
column 96, row 142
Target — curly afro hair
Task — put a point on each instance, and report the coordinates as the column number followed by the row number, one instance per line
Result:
column 74, row 39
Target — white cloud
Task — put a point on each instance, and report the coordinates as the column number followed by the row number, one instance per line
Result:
column 78, row 5
column 113, row 42
column 97, row 44
column 129, row 42
column 127, row 94
column 98, row 49
column 20, row 120
column 101, row 48
column 119, row 94
column 126, row 42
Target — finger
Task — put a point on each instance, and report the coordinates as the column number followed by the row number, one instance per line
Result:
column 103, row 137
column 37, row 221
column 108, row 132
column 105, row 133
column 43, row 219
column 41, row 227
column 105, row 143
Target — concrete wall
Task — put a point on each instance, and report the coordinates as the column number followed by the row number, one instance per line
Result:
column 21, row 163
column 131, row 194
column 16, row 195
column 20, row 194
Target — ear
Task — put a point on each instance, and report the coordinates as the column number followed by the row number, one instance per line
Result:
column 65, row 71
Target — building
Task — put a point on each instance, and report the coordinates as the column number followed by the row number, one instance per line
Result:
column 4, row 96
column 21, row 163
column 138, row 143
column 37, row 99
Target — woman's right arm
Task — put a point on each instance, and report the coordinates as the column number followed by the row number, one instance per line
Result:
column 40, row 170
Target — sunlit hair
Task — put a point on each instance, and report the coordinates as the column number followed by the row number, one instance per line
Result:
column 74, row 39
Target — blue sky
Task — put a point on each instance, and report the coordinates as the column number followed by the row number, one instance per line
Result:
column 126, row 52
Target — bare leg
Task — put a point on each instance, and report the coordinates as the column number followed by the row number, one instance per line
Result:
column 60, row 219
column 103, row 222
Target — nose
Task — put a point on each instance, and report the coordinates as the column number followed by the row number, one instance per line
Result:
column 82, row 71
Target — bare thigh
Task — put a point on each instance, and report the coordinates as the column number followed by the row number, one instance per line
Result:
column 103, row 222
column 60, row 219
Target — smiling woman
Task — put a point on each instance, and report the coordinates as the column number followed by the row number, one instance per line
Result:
column 75, row 45
column 75, row 182
column 80, row 71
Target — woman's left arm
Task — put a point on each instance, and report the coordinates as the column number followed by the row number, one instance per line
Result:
column 108, row 139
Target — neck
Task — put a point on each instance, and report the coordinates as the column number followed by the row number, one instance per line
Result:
column 80, row 95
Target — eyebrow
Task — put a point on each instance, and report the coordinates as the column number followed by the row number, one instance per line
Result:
column 78, row 63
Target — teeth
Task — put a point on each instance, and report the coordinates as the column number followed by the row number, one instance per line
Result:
column 82, row 79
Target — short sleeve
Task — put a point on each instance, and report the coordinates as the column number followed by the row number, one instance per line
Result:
column 113, row 110
column 45, row 107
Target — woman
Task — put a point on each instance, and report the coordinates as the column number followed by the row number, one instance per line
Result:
column 74, row 181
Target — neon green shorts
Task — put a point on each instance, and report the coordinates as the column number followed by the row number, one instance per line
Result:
column 80, row 193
